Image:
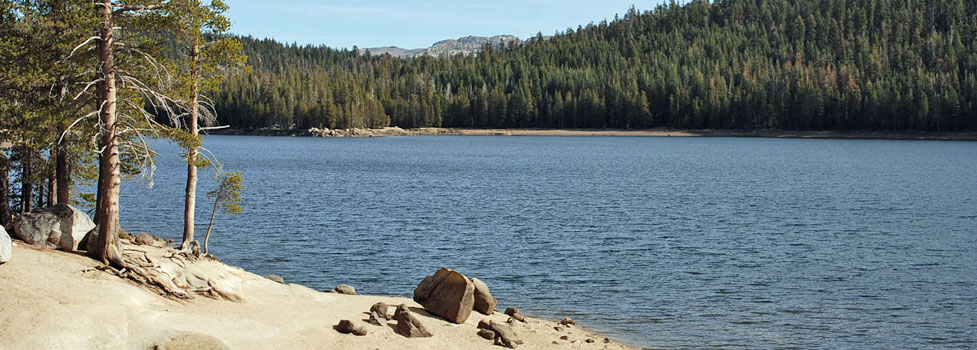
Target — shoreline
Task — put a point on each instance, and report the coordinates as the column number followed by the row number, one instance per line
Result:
column 57, row 299
column 657, row 132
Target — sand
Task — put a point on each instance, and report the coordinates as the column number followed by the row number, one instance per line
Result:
column 59, row 300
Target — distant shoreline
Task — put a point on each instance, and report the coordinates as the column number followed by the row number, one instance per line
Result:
column 658, row 132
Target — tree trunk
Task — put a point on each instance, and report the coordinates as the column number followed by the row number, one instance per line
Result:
column 108, row 163
column 4, row 189
column 213, row 215
column 62, row 174
column 191, row 194
column 51, row 188
column 26, row 182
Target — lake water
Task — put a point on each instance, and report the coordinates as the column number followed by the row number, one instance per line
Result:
column 658, row 242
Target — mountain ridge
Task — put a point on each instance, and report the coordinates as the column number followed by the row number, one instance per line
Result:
column 464, row 45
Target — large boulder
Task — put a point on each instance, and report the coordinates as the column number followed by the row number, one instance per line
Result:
column 484, row 302
column 5, row 246
column 59, row 227
column 448, row 294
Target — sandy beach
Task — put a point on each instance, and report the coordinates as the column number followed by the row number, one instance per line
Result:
column 59, row 300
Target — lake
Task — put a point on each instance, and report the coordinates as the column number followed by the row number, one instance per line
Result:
column 658, row 242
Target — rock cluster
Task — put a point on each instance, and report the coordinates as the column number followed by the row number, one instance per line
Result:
column 515, row 314
column 503, row 333
column 350, row 327
column 59, row 227
column 448, row 294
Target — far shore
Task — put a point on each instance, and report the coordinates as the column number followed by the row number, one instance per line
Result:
column 657, row 132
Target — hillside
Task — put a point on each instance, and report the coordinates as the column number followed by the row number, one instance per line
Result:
column 461, row 46
column 880, row 65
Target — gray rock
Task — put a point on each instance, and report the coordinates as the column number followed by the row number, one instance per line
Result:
column 59, row 227
column 484, row 302
column 514, row 313
column 448, row 294
column 504, row 335
column 409, row 325
column 276, row 278
column 146, row 239
column 487, row 334
column 6, row 246
column 380, row 309
column 375, row 319
column 349, row 327
column 345, row 289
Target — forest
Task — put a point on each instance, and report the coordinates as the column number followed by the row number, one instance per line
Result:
column 846, row 65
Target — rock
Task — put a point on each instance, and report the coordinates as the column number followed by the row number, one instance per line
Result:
column 558, row 329
column 484, row 302
column 591, row 340
column 567, row 321
column 191, row 341
column 145, row 239
column 59, row 227
column 345, row 289
column 448, row 294
column 276, row 278
column 514, row 313
column 564, row 337
column 91, row 240
column 483, row 324
column 348, row 327
column 487, row 334
column 375, row 319
column 6, row 246
column 409, row 325
column 506, row 334
column 380, row 309
column 607, row 340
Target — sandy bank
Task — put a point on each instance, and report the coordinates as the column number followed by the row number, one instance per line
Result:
column 57, row 300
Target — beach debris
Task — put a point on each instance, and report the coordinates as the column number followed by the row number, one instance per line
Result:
column 568, row 321
column 6, row 246
column 345, row 289
column 59, row 227
column 375, row 319
column 484, row 302
column 448, row 294
column 380, row 308
column 276, row 278
column 409, row 325
column 514, row 313
column 349, row 327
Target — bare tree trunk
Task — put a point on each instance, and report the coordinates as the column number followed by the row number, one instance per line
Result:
column 108, row 163
column 26, row 181
column 51, row 186
column 4, row 189
column 213, row 215
column 191, row 194
column 62, row 173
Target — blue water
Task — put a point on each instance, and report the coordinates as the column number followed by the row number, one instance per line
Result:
column 658, row 242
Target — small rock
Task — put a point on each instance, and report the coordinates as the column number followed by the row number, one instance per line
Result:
column 486, row 333
column 514, row 313
column 145, row 239
column 505, row 336
column 607, row 340
column 5, row 246
column 448, row 294
column 589, row 340
column 276, row 278
column 348, row 327
column 484, row 302
column 380, row 309
column 483, row 324
column 375, row 319
column 558, row 329
column 345, row 289
column 409, row 325
column 564, row 337
column 567, row 321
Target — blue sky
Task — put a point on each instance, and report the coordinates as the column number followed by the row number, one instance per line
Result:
column 414, row 24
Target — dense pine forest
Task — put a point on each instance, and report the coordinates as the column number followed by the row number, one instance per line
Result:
column 893, row 65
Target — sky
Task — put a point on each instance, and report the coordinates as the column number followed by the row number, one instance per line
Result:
column 414, row 23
